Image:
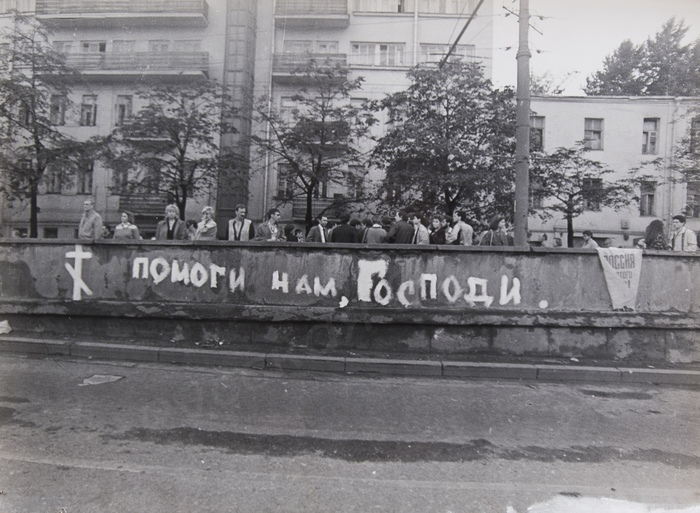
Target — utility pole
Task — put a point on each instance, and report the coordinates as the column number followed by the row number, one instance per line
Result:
column 522, row 129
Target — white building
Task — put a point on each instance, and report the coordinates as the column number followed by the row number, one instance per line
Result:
column 623, row 133
column 120, row 48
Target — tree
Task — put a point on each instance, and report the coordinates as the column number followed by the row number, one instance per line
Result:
column 661, row 66
column 170, row 146
column 315, row 143
column 451, row 143
column 34, row 102
column 568, row 183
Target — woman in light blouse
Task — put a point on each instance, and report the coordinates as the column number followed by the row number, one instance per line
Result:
column 206, row 229
column 126, row 230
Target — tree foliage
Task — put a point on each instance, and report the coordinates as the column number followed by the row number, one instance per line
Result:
column 315, row 143
column 568, row 183
column 661, row 66
column 170, row 147
column 35, row 85
column 450, row 143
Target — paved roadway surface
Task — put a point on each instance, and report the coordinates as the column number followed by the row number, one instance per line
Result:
column 162, row 438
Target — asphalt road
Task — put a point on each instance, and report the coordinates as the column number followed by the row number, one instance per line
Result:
column 162, row 438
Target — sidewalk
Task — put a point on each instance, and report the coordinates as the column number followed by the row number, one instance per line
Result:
column 466, row 367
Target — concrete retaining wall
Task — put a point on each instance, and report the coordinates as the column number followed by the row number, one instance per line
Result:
column 428, row 300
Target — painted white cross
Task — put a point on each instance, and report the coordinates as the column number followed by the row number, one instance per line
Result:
column 76, row 272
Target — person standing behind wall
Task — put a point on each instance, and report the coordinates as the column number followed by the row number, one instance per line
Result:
column 172, row 227
column 206, row 228
column 240, row 228
column 421, row 235
column 90, row 227
column 462, row 233
column 497, row 234
column 376, row 234
column 318, row 232
column 270, row 230
column 401, row 232
column 344, row 233
column 437, row 230
column 588, row 242
column 682, row 238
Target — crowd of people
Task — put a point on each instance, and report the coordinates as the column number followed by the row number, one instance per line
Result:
column 401, row 228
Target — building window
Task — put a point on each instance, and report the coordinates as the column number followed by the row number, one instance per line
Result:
column 297, row 47
column 120, row 180
column 355, row 182
column 123, row 46
column 646, row 200
column 53, row 180
column 695, row 136
column 536, row 199
column 93, row 46
column 158, row 46
column 377, row 54
column 593, row 134
column 537, row 133
column 57, row 109
column 649, row 136
column 51, row 233
column 19, row 5
column 327, row 47
column 187, row 46
column 64, row 47
column 123, row 110
column 592, row 188
column 84, row 179
column 285, row 184
column 693, row 200
column 383, row 5
column 434, row 53
column 446, row 6
column 23, row 115
column 88, row 110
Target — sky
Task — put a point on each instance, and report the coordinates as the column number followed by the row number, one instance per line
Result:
column 577, row 35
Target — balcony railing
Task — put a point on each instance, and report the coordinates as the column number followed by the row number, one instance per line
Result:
column 293, row 64
column 292, row 7
column 169, row 12
column 141, row 62
column 332, row 207
column 304, row 13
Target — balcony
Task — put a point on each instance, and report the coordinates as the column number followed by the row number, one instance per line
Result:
column 287, row 67
column 107, row 13
column 331, row 207
column 161, row 64
column 312, row 13
column 143, row 205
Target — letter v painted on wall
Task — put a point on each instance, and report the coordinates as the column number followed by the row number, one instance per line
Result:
column 76, row 271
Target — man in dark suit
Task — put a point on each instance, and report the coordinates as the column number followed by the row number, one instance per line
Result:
column 401, row 232
column 344, row 232
column 318, row 232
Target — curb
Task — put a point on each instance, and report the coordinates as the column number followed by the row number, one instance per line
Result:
column 349, row 365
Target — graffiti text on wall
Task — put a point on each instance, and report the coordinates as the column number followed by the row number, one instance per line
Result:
column 372, row 283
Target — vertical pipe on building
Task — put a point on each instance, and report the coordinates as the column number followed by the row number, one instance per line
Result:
column 266, row 174
column 522, row 129
column 670, row 162
column 415, row 32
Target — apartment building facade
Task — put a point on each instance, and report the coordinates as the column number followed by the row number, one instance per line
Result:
column 624, row 133
column 378, row 40
column 122, row 47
